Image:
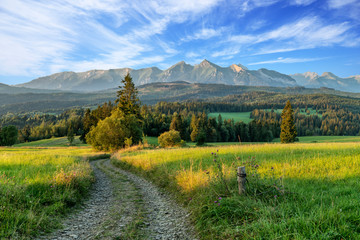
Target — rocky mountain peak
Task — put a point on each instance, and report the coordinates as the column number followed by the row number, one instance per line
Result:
column 205, row 63
column 204, row 72
column 329, row 75
column 311, row 75
column 238, row 68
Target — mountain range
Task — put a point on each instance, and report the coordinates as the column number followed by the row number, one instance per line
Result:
column 328, row 79
column 205, row 72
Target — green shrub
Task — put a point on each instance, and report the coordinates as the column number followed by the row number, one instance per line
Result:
column 110, row 134
column 8, row 136
column 170, row 139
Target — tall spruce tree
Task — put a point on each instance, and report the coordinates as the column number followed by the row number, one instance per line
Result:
column 288, row 131
column 123, row 123
column 128, row 101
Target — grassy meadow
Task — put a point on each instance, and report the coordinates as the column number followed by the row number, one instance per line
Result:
column 237, row 116
column 294, row 191
column 324, row 139
column 38, row 185
column 53, row 142
column 245, row 116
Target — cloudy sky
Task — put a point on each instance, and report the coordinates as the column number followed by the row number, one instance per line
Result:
column 42, row 37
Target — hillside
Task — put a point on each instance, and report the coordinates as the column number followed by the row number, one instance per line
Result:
column 6, row 89
column 149, row 94
column 329, row 80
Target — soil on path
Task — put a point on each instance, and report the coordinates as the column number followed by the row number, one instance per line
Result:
column 123, row 205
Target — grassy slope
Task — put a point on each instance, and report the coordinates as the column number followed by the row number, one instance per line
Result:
column 325, row 139
column 321, row 180
column 38, row 185
column 53, row 142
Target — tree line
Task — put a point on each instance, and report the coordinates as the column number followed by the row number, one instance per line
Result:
column 190, row 119
column 331, row 122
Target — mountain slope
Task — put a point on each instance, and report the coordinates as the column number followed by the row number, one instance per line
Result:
column 149, row 94
column 205, row 72
column 6, row 89
column 329, row 80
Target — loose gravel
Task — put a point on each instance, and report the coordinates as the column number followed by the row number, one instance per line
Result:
column 123, row 205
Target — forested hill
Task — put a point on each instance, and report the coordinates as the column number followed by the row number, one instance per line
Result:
column 170, row 92
column 6, row 89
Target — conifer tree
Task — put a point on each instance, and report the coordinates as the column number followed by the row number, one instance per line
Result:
column 177, row 125
column 123, row 124
column 288, row 131
column 128, row 101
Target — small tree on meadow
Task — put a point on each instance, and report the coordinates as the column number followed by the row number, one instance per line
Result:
column 123, row 127
column 170, row 139
column 111, row 133
column 288, row 131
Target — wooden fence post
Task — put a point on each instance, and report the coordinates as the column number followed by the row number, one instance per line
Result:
column 241, row 178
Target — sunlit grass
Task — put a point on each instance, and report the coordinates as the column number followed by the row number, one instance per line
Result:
column 53, row 142
column 38, row 185
column 322, row 182
column 324, row 139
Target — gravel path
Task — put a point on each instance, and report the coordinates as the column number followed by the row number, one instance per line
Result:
column 165, row 219
column 125, row 206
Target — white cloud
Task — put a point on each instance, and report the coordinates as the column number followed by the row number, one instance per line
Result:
column 306, row 33
column 286, row 60
column 346, row 8
column 340, row 3
column 301, row 2
column 274, row 50
column 204, row 33
column 227, row 52
column 257, row 25
column 40, row 37
column 248, row 5
column 192, row 55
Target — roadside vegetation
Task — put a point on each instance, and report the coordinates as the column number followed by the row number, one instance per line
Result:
column 37, row 186
column 296, row 191
column 293, row 191
column 53, row 142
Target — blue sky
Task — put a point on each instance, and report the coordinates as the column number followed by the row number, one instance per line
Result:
column 42, row 37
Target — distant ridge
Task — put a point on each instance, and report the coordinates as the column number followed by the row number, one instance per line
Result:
column 6, row 89
column 329, row 80
column 205, row 72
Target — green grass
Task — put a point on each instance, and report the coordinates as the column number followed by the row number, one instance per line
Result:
column 320, row 199
column 152, row 141
column 52, row 142
column 325, row 139
column 237, row 116
column 37, row 186
column 245, row 116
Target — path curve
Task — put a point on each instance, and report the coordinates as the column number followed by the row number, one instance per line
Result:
column 123, row 205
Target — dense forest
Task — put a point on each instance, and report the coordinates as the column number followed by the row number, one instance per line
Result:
column 330, row 115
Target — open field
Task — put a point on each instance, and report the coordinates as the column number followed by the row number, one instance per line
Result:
column 302, row 111
column 325, row 139
column 308, row 139
column 152, row 141
column 245, row 116
column 52, row 142
column 39, row 185
column 237, row 116
column 294, row 191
